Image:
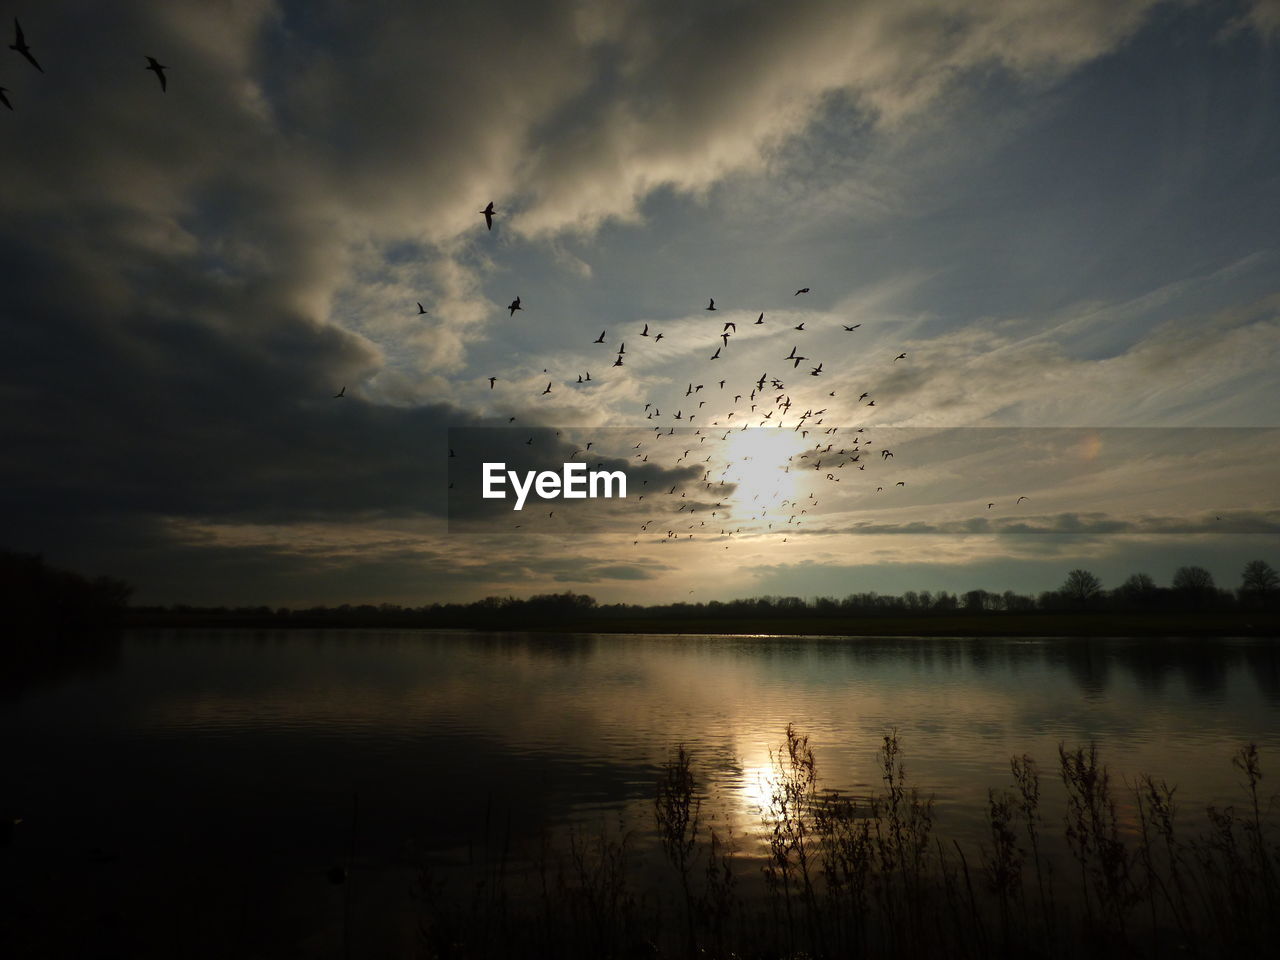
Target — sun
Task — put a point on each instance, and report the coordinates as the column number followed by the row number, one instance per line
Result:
column 758, row 462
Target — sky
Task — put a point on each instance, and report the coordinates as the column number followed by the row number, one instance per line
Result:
column 1063, row 212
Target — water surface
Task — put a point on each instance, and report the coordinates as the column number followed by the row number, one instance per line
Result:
column 209, row 779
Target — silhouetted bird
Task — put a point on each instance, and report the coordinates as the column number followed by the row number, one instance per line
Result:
column 901, row 356
column 712, row 304
column 492, row 381
column 599, row 339
column 4, row 99
column 801, row 290
column 854, row 327
column 546, row 391
column 421, row 310
column 514, row 305
column 716, row 355
column 488, row 215
column 760, row 319
column 645, row 332
column 20, row 44
column 1019, row 500
column 158, row 68
column 341, row 392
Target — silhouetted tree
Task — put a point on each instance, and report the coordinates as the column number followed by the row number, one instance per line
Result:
column 1192, row 579
column 1016, row 602
column 1081, row 587
column 1138, row 591
column 1260, row 585
column 36, row 596
column 1260, row 577
column 1193, row 587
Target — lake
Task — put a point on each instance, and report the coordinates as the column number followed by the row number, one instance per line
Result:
column 191, row 793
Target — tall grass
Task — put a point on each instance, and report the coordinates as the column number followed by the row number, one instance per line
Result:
column 869, row 876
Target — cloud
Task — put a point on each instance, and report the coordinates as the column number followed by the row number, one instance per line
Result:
column 694, row 95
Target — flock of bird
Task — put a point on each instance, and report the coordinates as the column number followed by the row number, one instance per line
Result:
column 766, row 402
column 21, row 47
column 763, row 403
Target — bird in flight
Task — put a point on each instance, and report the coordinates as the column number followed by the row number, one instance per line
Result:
column 990, row 505
column 716, row 355
column 801, row 290
column 599, row 339
column 1019, row 500
column 341, row 392
column 800, row 326
column 4, row 99
column 760, row 319
column 421, row 310
column 546, row 391
column 158, row 68
column 514, row 305
column 20, row 44
column 851, row 329
column 645, row 332
column 488, row 215
column 492, row 381
column 901, row 356
column 711, row 305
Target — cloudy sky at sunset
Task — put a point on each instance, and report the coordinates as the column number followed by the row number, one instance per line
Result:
column 1063, row 212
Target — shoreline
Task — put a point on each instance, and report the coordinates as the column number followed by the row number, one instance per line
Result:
column 1217, row 625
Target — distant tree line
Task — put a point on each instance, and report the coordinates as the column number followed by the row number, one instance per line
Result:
column 1192, row 589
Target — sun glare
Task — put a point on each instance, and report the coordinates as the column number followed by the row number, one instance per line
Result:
column 758, row 462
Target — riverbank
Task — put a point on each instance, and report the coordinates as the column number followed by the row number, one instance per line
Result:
column 1229, row 623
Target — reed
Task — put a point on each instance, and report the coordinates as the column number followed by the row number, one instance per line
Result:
column 839, row 875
